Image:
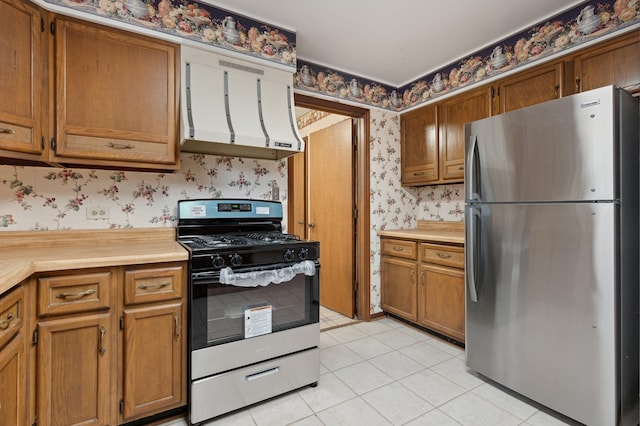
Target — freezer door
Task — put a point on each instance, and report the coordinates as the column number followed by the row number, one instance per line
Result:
column 562, row 150
column 544, row 321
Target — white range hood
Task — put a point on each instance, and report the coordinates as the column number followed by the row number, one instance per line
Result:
column 236, row 108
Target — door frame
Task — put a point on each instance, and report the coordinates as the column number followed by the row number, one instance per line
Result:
column 362, row 191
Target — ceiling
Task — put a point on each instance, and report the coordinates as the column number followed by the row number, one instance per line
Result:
column 396, row 42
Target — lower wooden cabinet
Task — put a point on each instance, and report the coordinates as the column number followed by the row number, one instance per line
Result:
column 106, row 353
column 13, row 359
column 74, row 370
column 424, row 283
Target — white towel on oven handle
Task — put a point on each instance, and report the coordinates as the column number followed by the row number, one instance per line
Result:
column 266, row 277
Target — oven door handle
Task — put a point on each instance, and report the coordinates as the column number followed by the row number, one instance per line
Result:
column 266, row 277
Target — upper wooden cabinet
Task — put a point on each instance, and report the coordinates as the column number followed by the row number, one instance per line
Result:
column 540, row 84
column 76, row 93
column 614, row 62
column 455, row 113
column 116, row 98
column 420, row 146
column 23, row 80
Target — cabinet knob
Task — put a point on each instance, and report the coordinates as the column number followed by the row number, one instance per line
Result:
column 4, row 324
column 6, row 131
column 444, row 255
column 311, row 225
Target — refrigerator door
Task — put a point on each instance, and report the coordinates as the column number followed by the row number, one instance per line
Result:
column 545, row 279
column 561, row 150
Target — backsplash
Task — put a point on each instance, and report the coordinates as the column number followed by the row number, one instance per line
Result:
column 44, row 198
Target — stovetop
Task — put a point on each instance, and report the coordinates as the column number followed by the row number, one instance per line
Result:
column 207, row 242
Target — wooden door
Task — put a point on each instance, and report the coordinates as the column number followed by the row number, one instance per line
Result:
column 541, row 84
column 454, row 114
column 615, row 62
column 297, row 199
column 330, row 213
column 13, row 374
column 74, row 370
column 22, row 78
column 153, row 360
column 398, row 287
column 420, row 146
column 441, row 300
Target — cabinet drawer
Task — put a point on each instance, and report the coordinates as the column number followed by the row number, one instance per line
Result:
column 17, row 138
column 63, row 294
column 443, row 255
column 151, row 284
column 419, row 176
column 399, row 248
column 454, row 171
column 11, row 314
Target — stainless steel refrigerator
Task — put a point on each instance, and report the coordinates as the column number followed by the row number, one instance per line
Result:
column 551, row 231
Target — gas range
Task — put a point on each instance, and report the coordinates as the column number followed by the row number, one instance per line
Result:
column 223, row 233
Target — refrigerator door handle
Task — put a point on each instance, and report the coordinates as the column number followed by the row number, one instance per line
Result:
column 472, row 169
column 472, row 252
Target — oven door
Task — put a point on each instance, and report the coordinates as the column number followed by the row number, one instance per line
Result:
column 256, row 302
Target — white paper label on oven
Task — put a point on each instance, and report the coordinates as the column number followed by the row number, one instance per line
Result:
column 198, row 211
column 262, row 210
column 257, row 321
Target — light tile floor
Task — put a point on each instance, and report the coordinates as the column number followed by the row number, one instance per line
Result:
column 330, row 319
column 386, row 372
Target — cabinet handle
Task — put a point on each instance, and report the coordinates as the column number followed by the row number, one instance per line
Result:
column 176, row 319
column 422, row 277
column 311, row 225
column 396, row 248
column 81, row 294
column 300, row 223
column 148, row 286
column 120, row 145
column 557, row 90
column 443, row 255
column 413, row 272
column 4, row 324
column 418, row 173
column 461, row 168
column 102, row 349
column 6, row 131
column 578, row 85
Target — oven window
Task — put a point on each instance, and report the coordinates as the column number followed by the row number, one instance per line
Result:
column 218, row 310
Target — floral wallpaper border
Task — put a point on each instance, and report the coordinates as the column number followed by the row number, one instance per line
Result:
column 582, row 23
column 198, row 22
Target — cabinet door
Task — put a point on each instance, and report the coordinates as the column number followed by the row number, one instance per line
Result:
column 74, row 370
column 441, row 300
column 454, row 114
column 420, row 146
column 541, row 84
column 613, row 62
column 13, row 381
column 22, row 81
column 115, row 97
column 398, row 287
column 154, row 350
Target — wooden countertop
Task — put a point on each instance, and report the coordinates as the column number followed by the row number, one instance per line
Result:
column 430, row 231
column 25, row 253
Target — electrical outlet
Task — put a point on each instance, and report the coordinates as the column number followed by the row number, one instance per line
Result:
column 98, row 212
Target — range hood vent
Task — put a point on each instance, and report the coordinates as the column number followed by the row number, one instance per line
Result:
column 235, row 108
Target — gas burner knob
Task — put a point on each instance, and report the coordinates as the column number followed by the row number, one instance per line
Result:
column 303, row 253
column 289, row 255
column 235, row 259
column 217, row 261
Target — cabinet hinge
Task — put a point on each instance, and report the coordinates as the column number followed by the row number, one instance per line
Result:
column 53, row 143
column 35, row 422
column 122, row 406
column 121, row 323
column 34, row 338
column 52, row 28
column 355, row 213
column 41, row 24
column 42, row 142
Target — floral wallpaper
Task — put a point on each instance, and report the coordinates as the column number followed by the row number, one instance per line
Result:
column 42, row 198
column 198, row 22
column 584, row 22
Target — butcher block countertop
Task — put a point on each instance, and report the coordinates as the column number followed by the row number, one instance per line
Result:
column 430, row 231
column 25, row 253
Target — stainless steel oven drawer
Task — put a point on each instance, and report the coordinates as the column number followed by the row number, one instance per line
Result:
column 222, row 393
